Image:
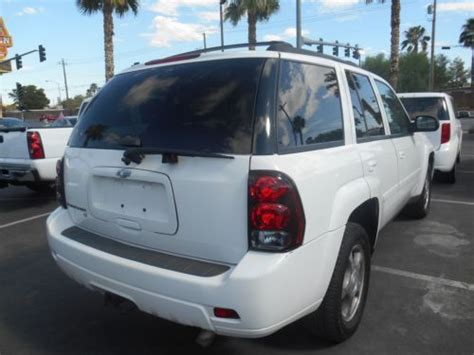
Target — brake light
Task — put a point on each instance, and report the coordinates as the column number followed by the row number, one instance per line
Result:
column 60, row 192
column 445, row 132
column 276, row 217
column 35, row 146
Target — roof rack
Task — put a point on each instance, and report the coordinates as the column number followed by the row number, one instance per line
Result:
column 276, row 46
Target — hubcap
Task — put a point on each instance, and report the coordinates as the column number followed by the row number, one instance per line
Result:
column 353, row 283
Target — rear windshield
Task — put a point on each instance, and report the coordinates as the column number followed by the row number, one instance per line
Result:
column 430, row 106
column 206, row 106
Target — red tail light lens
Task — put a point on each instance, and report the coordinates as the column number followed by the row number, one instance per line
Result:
column 445, row 132
column 276, row 218
column 35, row 146
column 60, row 192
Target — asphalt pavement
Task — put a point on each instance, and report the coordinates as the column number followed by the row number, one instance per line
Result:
column 421, row 295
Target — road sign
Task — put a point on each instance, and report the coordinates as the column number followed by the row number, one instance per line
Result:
column 6, row 41
column 5, row 67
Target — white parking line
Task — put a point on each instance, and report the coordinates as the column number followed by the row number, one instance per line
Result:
column 432, row 279
column 466, row 203
column 24, row 220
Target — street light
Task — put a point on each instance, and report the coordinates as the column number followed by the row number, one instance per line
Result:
column 59, row 89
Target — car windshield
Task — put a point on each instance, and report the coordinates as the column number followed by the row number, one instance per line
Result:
column 205, row 106
column 426, row 106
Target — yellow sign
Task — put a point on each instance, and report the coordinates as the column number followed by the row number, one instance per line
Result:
column 6, row 40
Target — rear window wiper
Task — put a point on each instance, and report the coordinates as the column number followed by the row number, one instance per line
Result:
column 170, row 156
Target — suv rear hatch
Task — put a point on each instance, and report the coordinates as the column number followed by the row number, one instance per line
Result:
column 196, row 206
column 430, row 106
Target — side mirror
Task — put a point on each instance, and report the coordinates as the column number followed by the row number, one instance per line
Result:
column 425, row 124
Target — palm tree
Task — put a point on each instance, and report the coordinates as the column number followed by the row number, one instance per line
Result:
column 108, row 7
column 394, row 40
column 414, row 37
column 256, row 11
column 466, row 38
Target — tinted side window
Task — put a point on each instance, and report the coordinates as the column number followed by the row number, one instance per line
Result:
column 396, row 116
column 367, row 115
column 309, row 106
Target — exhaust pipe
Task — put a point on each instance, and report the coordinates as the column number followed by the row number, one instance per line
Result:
column 123, row 304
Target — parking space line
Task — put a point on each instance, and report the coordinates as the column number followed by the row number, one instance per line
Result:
column 24, row 220
column 453, row 202
column 432, row 279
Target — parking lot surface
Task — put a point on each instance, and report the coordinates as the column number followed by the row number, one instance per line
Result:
column 421, row 296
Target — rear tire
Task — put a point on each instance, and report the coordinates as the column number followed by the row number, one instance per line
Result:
column 340, row 313
column 421, row 207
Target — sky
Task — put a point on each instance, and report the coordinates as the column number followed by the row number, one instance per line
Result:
column 166, row 27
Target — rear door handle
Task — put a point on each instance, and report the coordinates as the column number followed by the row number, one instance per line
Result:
column 371, row 165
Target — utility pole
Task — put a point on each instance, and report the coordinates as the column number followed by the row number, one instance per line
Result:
column 204, row 39
column 433, row 37
column 221, row 3
column 65, row 77
column 298, row 24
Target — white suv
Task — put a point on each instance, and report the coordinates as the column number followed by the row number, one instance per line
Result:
column 447, row 140
column 239, row 191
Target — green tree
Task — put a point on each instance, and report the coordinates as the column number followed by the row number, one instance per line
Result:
column 378, row 65
column 108, row 7
column 33, row 98
column 414, row 37
column 92, row 90
column 414, row 72
column 466, row 38
column 441, row 74
column 457, row 73
column 394, row 39
column 73, row 103
column 256, row 11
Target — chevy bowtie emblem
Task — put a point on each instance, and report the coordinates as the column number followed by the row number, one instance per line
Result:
column 124, row 173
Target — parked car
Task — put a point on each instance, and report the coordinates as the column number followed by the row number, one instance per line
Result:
column 239, row 191
column 447, row 140
column 28, row 155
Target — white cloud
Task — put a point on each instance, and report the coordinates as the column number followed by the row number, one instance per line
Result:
column 169, row 29
column 456, row 6
column 271, row 37
column 209, row 16
column 170, row 7
column 29, row 11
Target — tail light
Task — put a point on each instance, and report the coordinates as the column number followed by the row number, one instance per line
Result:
column 60, row 193
column 35, row 146
column 276, row 217
column 445, row 132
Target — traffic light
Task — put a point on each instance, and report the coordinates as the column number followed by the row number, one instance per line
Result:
column 356, row 53
column 20, row 95
column 42, row 53
column 347, row 50
column 319, row 48
column 19, row 62
column 335, row 50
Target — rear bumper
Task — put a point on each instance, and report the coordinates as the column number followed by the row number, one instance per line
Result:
column 23, row 171
column 267, row 290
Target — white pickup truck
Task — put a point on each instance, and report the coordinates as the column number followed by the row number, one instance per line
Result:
column 28, row 156
column 239, row 191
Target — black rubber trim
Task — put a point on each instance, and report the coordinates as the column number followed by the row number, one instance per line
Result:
column 145, row 256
